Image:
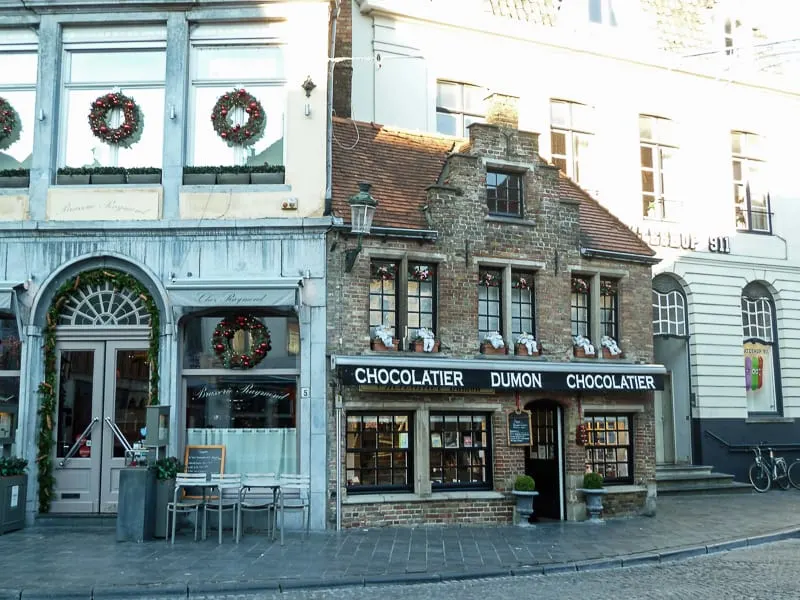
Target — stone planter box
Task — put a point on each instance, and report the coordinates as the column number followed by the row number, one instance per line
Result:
column 15, row 181
column 378, row 345
column 199, row 178
column 267, row 178
column 579, row 352
column 233, row 178
column 487, row 348
column 108, row 179
column 13, row 493
column 72, row 179
column 418, row 346
column 522, row 350
column 144, row 178
column 607, row 354
column 164, row 491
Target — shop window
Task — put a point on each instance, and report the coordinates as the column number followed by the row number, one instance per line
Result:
column 490, row 303
column 18, row 88
column 657, row 152
column 609, row 449
column 761, row 361
column 378, row 452
column 251, row 410
column 522, row 305
column 224, row 58
column 571, row 139
column 10, row 351
column 750, row 195
column 609, row 309
column 459, row 451
column 580, row 303
column 90, row 73
column 458, row 105
column 504, row 193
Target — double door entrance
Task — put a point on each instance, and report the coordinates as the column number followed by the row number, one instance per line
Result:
column 103, row 390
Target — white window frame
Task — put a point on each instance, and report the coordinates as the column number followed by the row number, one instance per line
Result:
column 748, row 159
column 670, row 309
column 458, row 113
column 666, row 208
column 757, row 319
column 571, row 136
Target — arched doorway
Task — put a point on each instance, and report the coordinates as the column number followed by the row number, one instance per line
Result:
column 103, row 385
column 544, row 459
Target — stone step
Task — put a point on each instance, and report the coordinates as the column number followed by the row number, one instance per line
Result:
column 693, row 477
column 77, row 521
column 734, row 487
column 683, row 468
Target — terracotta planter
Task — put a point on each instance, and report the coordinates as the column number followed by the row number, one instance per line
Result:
column 578, row 352
column 607, row 354
column 487, row 348
column 378, row 345
column 522, row 350
column 419, row 345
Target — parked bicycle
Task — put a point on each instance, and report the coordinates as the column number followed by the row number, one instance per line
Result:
column 768, row 470
column 794, row 474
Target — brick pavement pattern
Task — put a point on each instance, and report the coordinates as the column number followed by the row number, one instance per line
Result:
column 62, row 560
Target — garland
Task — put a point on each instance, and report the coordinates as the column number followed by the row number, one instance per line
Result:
column 239, row 135
column 47, row 389
column 384, row 272
column 421, row 273
column 226, row 330
column 126, row 134
column 10, row 124
column 489, row 278
column 580, row 286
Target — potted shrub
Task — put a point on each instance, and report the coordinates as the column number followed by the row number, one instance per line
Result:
column 583, row 348
column 107, row 175
column 525, row 493
column 13, row 489
column 610, row 347
column 425, row 341
column 527, row 345
column 593, row 492
column 72, row 176
column 233, row 175
column 144, row 175
column 166, row 469
column 267, row 174
column 493, row 344
column 384, row 341
column 15, row 178
column 200, row 175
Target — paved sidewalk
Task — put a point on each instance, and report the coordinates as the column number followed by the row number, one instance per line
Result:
column 64, row 563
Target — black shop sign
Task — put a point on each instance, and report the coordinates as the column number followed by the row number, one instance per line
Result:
column 442, row 380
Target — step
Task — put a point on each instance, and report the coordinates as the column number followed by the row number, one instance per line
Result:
column 77, row 521
column 692, row 477
column 734, row 487
column 671, row 468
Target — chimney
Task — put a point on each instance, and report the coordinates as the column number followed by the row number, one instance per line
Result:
column 502, row 110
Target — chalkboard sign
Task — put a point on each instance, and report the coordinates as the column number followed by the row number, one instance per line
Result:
column 203, row 459
column 519, row 428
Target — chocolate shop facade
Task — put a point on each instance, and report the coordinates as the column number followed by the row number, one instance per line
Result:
column 473, row 243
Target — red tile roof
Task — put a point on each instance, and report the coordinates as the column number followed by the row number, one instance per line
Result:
column 400, row 165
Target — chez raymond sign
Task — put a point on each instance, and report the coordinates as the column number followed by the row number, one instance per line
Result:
column 420, row 378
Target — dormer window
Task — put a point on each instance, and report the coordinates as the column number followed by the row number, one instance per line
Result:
column 504, row 193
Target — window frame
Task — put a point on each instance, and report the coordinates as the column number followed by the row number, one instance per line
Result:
column 748, row 160
column 609, row 308
column 516, row 277
column 576, row 308
column 459, row 112
column 375, row 265
column 434, row 279
column 520, row 193
column 572, row 134
column 488, row 482
column 497, row 274
column 593, row 445
column 658, row 146
column 753, row 295
column 408, row 487
column 21, row 88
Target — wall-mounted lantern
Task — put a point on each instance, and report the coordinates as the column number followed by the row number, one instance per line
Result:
column 362, row 210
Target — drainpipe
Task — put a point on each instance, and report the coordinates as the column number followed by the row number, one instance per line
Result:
column 338, row 401
column 329, row 115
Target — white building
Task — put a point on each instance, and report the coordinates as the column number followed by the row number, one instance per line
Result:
column 679, row 116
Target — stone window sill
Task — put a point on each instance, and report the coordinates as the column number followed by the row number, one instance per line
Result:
column 510, row 220
column 245, row 187
column 626, row 489
column 434, row 497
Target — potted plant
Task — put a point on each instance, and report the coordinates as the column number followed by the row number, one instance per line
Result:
column 166, row 469
column 233, row 175
column 527, row 345
column 13, row 489
column 425, row 341
column 15, row 178
column 267, row 174
column 200, row 175
column 107, row 175
column 493, row 343
column 525, row 493
column 593, row 492
column 610, row 347
column 384, row 341
column 72, row 176
column 583, row 348
column 144, row 175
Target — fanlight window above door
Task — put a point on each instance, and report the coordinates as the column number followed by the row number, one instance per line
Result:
column 102, row 305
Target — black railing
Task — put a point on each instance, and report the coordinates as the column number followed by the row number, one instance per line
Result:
column 749, row 447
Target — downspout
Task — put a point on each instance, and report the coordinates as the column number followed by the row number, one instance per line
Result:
column 329, row 115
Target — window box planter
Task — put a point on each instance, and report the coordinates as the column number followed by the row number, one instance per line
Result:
column 70, row 179
column 108, row 178
column 418, row 346
column 579, row 352
column 233, row 178
column 522, row 350
column 16, row 178
column 144, row 178
column 378, row 346
column 487, row 348
column 267, row 178
column 607, row 354
column 200, row 175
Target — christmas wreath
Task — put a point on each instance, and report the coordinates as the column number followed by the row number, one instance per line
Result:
column 10, row 124
column 223, row 336
column 239, row 135
column 129, row 132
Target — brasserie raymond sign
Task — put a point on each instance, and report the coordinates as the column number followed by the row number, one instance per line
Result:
column 421, row 378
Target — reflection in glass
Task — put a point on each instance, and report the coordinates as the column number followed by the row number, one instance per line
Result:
column 75, row 402
column 131, row 396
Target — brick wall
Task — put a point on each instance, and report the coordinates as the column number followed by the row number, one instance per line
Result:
column 343, row 70
column 429, row 512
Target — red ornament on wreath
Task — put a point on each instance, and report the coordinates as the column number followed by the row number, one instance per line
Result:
column 10, row 124
column 241, row 134
column 227, row 334
column 130, row 130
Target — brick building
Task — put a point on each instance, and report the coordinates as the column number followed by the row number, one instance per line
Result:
column 472, row 238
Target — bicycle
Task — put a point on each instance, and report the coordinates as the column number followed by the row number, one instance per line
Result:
column 794, row 474
column 764, row 471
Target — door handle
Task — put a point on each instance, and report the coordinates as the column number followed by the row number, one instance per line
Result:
column 77, row 443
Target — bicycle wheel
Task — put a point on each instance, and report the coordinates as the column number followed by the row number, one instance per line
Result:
column 781, row 475
column 794, row 474
column 760, row 477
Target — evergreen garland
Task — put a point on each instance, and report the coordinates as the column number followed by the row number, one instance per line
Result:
column 47, row 389
column 126, row 134
column 239, row 135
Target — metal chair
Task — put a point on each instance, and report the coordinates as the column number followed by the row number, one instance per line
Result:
column 295, row 494
column 229, row 487
column 259, row 494
column 184, row 505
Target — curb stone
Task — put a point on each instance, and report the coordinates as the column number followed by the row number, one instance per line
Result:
column 308, row 584
column 120, row 592
column 596, row 565
column 726, row 546
column 403, row 578
column 640, row 559
column 476, row 574
column 681, row 553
